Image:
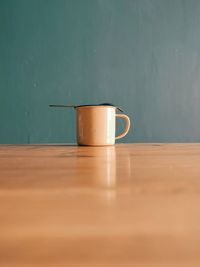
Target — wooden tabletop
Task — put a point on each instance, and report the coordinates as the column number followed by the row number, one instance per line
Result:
column 124, row 205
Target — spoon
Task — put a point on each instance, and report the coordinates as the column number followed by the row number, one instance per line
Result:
column 75, row 106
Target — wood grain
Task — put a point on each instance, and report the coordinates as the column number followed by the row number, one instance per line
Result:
column 124, row 205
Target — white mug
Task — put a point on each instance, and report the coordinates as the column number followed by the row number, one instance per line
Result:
column 96, row 125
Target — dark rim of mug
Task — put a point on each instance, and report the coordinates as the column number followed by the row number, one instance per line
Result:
column 100, row 105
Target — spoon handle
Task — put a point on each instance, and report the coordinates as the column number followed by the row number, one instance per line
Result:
column 62, row 106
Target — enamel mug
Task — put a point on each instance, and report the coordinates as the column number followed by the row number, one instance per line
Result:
column 96, row 125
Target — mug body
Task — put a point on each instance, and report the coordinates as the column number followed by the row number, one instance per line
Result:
column 96, row 125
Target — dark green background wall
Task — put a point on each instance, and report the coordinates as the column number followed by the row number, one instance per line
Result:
column 143, row 55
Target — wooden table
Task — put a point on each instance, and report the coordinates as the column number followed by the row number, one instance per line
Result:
column 124, row 205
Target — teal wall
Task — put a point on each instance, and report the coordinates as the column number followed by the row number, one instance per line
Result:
column 143, row 55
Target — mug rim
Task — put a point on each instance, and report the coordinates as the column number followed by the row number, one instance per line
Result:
column 99, row 106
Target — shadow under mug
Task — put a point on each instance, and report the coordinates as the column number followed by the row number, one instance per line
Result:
column 96, row 125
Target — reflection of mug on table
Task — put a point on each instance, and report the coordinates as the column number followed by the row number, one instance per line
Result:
column 102, row 166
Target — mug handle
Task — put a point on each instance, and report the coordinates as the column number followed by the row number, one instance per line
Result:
column 127, row 127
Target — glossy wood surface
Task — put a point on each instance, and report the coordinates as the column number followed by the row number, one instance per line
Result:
column 124, row 205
